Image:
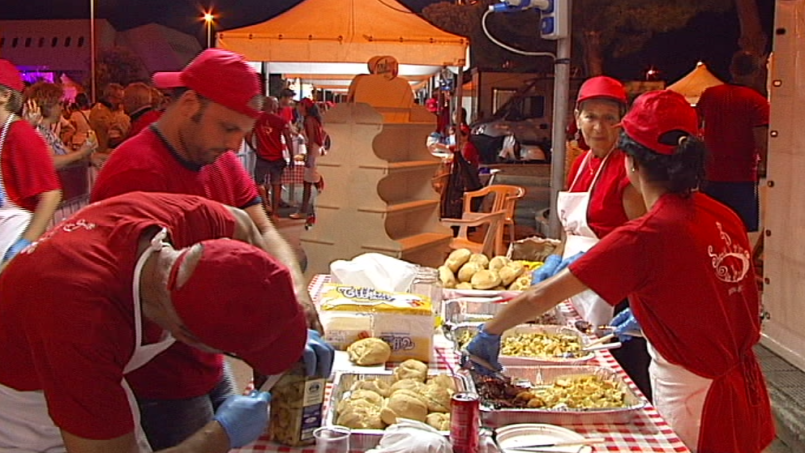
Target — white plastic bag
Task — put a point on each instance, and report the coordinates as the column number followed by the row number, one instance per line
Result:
column 411, row 436
column 373, row 270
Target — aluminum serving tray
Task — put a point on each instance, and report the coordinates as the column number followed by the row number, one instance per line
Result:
column 480, row 309
column 364, row 439
column 459, row 331
column 548, row 374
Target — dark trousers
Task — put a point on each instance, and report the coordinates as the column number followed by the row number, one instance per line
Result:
column 634, row 359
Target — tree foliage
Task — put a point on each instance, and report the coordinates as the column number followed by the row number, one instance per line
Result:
column 118, row 65
column 612, row 27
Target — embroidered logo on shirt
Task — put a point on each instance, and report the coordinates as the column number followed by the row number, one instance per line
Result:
column 65, row 226
column 731, row 262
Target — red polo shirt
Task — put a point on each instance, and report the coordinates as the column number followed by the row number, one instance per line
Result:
column 268, row 130
column 27, row 166
column 730, row 112
column 71, row 334
column 605, row 212
column 145, row 162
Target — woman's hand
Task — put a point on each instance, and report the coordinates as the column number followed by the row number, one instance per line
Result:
column 89, row 146
column 32, row 113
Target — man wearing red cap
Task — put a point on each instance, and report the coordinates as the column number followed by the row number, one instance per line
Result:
column 685, row 266
column 216, row 99
column 104, row 292
column 30, row 190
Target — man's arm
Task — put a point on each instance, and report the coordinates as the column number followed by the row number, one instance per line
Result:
column 761, row 134
column 275, row 244
column 210, row 439
column 46, row 206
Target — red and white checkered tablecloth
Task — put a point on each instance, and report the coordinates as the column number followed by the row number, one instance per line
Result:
column 294, row 175
column 646, row 432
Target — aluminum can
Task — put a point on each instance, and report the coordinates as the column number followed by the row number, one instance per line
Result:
column 465, row 422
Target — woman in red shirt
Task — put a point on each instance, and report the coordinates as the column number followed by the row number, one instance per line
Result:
column 598, row 200
column 314, row 139
column 686, row 267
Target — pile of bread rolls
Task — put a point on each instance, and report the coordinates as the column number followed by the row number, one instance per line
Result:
column 377, row 403
column 466, row 270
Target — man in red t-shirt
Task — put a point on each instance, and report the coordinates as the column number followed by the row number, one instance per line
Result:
column 30, row 190
column 267, row 136
column 736, row 123
column 105, row 291
column 216, row 99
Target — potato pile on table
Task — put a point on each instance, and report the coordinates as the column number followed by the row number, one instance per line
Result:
column 410, row 393
column 466, row 270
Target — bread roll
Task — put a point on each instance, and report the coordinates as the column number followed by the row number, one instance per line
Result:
column 497, row 262
column 437, row 398
column 447, row 277
column 403, row 405
column 366, row 396
column 479, row 258
column 411, row 369
column 517, row 266
column 457, row 258
column 464, row 285
column 360, row 415
column 521, row 284
column 382, row 388
column 444, row 381
column 485, row 279
column 439, row 421
column 407, row 384
column 507, row 275
column 369, row 351
column 467, row 271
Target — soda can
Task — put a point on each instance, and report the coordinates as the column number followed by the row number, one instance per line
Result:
column 465, row 422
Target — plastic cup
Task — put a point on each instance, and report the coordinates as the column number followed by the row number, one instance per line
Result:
column 332, row 439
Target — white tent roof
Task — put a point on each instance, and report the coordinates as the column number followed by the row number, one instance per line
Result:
column 320, row 33
column 693, row 85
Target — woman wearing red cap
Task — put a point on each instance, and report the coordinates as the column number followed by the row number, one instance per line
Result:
column 314, row 138
column 598, row 200
column 685, row 266
column 30, row 191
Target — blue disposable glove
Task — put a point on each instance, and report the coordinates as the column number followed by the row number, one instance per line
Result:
column 547, row 269
column 485, row 346
column 244, row 418
column 625, row 325
column 16, row 248
column 318, row 356
column 567, row 262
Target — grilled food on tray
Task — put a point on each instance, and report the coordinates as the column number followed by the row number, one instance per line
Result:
column 571, row 392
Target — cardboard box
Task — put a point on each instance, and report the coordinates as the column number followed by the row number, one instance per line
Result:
column 405, row 321
column 296, row 407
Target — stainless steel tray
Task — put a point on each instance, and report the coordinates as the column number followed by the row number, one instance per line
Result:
column 548, row 374
column 460, row 332
column 364, row 439
column 479, row 309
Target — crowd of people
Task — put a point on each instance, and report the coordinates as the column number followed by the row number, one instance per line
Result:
column 139, row 271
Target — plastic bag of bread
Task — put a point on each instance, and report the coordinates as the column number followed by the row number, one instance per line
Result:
column 457, row 258
column 369, row 351
column 411, row 369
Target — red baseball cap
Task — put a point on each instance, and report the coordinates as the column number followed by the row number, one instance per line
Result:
column 307, row 103
column 222, row 76
column 10, row 76
column 602, row 87
column 240, row 300
column 656, row 113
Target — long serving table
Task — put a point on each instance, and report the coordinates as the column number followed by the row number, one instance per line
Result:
column 646, row 432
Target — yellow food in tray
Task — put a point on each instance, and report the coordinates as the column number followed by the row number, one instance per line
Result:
column 539, row 345
column 575, row 392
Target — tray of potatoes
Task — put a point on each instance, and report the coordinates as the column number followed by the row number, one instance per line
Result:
column 368, row 403
column 474, row 274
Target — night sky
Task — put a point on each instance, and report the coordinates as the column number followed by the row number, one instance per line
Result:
column 711, row 38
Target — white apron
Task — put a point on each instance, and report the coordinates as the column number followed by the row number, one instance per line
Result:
column 26, row 427
column 572, row 207
column 14, row 220
column 679, row 396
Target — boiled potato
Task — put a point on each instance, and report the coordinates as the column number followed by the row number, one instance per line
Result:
column 467, row 271
column 457, row 258
column 447, row 277
column 485, row 279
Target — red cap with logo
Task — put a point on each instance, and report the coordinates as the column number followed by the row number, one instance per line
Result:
column 602, row 87
column 10, row 76
column 240, row 300
column 219, row 75
column 656, row 113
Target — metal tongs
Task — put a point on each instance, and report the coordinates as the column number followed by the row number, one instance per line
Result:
column 477, row 365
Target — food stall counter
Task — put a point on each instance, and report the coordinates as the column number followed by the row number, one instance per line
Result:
column 647, row 431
